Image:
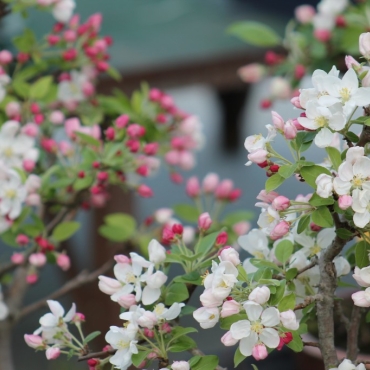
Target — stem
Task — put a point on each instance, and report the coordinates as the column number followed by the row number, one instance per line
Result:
column 6, row 362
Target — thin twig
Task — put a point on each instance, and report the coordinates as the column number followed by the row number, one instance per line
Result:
column 100, row 354
column 308, row 301
column 338, row 309
column 311, row 344
column 81, row 279
column 313, row 263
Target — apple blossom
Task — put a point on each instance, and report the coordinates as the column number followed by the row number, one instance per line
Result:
column 157, row 253
column 180, row 365
column 260, row 295
column 259, row 352
column 207, row 317
column 324, row 184
column 362, row 298
column 52, row 353
column 364, row 45
column 289, row 320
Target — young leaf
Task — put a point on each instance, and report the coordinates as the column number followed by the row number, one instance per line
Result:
column 344, row 233
column 362, row 254
column 254, row 33
column 187, row 212
column 334, row 155
column 41, row 87
column 284, row 250
column 206, row 243
column 176, row 292
column 310, row 173
column 287, row 170
column 91, row 336
column 65, row 230
column 209, row 362
column 317, row 201
column 238, row 357
column 287, row 303
column 274, row 182
column 303, row 223
column 322, row 217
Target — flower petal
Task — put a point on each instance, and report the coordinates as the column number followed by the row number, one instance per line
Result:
column 270, row 337
column 246, row 344
column 270, row 317
column 240, row 329
column 253, row 310
column 56, row 308
column 150, row 295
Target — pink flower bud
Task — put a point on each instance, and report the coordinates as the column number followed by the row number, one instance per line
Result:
column 122, row 121
column 221, row 238
column 176, row 178
column 290, row 131
column 126, row 301
column 121, row 258
column 259, row 352
column 230, row 308
column 32, row 279
column 30, row 129
column 204, row 221
column 155, row 94
column 145, row 191
column 304, row 13
column 70, row 35
column 224, row 188
column 351, row 62
column 53, row 39
column 17, row 258
column 365, row 82
column 241, row 228
column 322, row 35
column 193, row 187
column 228, row 340
column 289, row 320
column 28, row 165
column 108, row 285
column 281, row 229
column 33, row 200
column 364, row 44
column 88, row 89
column 344, row 201
column 110, row 133
column 64, row 262
column 210, row 183
column 135, row 131
column 71, row 125
column 37, row 259
column 13, row 109
column 56, row 117
column 172, row 157
column 252, row 73
column 148, row 333
column 22, row 240
column 280, row 88
column 299, row 71
column 296, row 102
column 166, row 327
column 260, row 295
column 362, row 298
column 186, row 160
column 34, row 341
column 277, row 121
column 281, row 203
column 52, row 353
column 151, row 148
column 69, row 55
column 258, row 156
column 6, row 57
column 78, row 317
column 229, row 254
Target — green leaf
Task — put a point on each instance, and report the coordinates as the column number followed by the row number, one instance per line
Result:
column 139, row 357
column 362, row 254
column 187, row 212
column 310, row 173
column 276, row 297
column 41, row 88
column 226, row 322
column 287, row 303
column 208, row 362
column 296, row 344
column 254, row 367
column 87, row 139
column 274, row 182
column 238, row 357
column 114, row 73
column 194, row 360
column 284, row 250
column 317, row 201
column 84, row 183
column 91, row 336
column 303, row 223
column 187, row 310
column 191, row 278
column 334, row 155
column 206, row 243
column 182, row 344
column 242, row 276
column 344, row 233
column 25, row 42
column 118, row 227
column 176, row 292
column 322, row 217
column 367, row 317
column 179, row 331
column 291, row 273
column 65, row 230
column 352, row 136
column 287, row 170
column 263, row 263
column 254, row 33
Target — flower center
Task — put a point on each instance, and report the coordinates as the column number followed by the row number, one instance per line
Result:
column 10, row 193
column 130, row 277
column 159, row 309
column 345, row 94
column 8, row 152
column 321, row 121
column 212, row 317
column 121, row 344
column 315, row 249
column 257, row 327
column 259, row 255
column 257, row 138
column 357, row 181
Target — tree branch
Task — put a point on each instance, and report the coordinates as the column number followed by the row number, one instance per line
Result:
column 352, row 333
column 81, row 279
column 342, row 317
column 311, row 344
column 100, row 354
column 308, row 301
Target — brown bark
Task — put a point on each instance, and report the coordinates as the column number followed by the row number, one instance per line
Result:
column 353, row 332
column 6, row 359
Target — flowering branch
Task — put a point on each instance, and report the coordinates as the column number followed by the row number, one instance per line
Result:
column 81, row 279
column 308, row 301
column 353, row 332
column 100, row 354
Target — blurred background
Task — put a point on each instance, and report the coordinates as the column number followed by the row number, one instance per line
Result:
column 180, row 46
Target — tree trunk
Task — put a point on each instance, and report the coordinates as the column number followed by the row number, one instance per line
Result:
column 6, row 359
